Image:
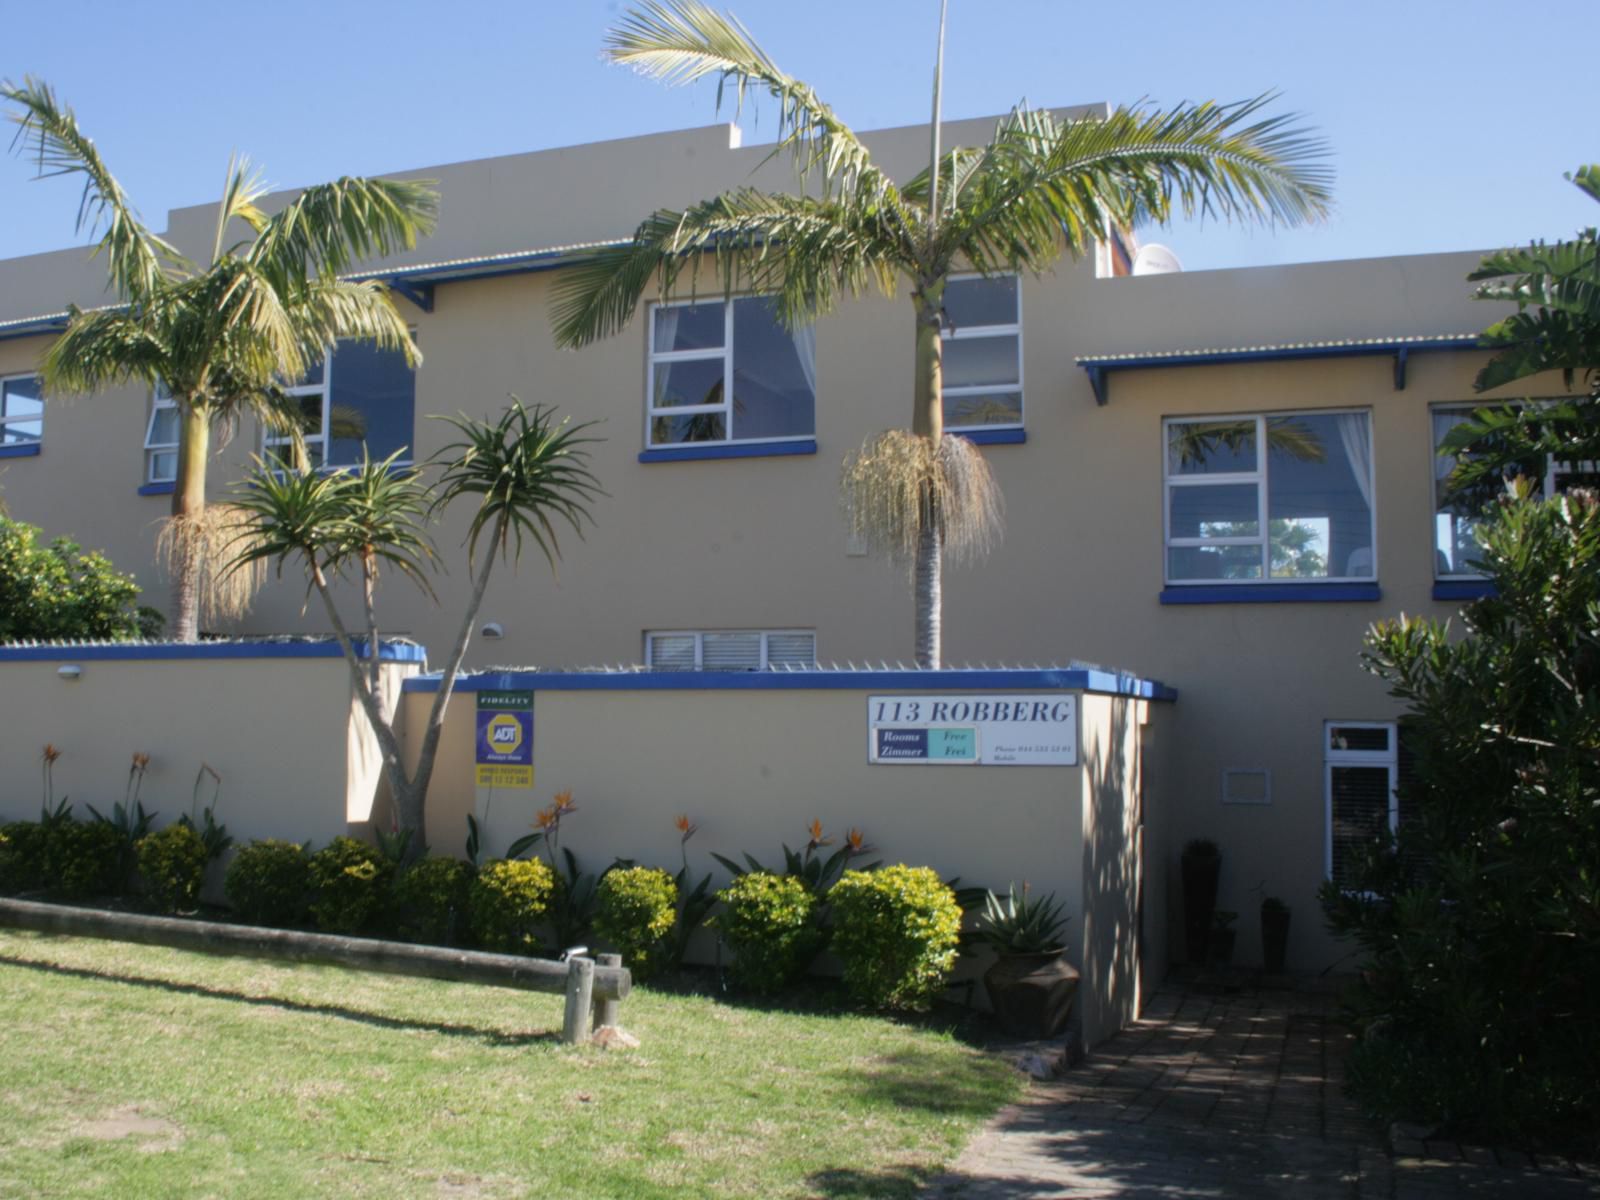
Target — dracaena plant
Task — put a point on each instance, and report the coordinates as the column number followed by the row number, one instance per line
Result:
column 1022, row 924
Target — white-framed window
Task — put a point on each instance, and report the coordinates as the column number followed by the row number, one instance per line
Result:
column 982, row 359
column 727, row 371
column 1269, row 497
column 729, row 649
column 1361, row 772
column 1455, row 519
column 21, row 410
column 161, row 438
column 359, row 400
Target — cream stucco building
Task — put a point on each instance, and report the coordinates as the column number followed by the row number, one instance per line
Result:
column 1216, row 479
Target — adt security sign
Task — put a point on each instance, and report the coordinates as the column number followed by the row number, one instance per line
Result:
column 505, row 739
column 992, row 730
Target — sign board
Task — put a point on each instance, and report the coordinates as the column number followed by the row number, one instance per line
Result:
column 504, row 740
column 993, row 729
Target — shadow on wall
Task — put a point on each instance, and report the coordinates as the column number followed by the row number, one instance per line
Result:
column 1111, row 874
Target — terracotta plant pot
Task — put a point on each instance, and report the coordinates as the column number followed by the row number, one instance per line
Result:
column 1032, row 994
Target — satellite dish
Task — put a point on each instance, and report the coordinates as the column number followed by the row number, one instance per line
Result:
column 1156, row 259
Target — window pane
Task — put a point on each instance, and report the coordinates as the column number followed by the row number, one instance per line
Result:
column 791, row 650
column 373, row 404
column 1319, row 475
column 672, row 652
column 163, row 426
column 1211, row 447
column 1215, row 511
column 987, row 408
column 981, row 301
column 683, row 384
column 701, row 427
column 163, row 466
column 1214, row 562
column 22, row 398
column 981, row 361
column 688, row 327
column 731, row 651
column 774, row 373
column 1359, row 737
column 1359, row 798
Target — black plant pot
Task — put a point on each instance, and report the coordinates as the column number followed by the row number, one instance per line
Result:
column 1274, row 938
column 1032, row 994
column 1200, row 873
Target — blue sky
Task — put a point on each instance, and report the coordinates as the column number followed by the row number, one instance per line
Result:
column 1440, row 140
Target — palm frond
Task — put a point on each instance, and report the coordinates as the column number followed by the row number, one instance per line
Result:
column 328, row 309
column 527, row 470
column 385, row 516
column 809, row 252
column 682, row 41
column 103, row 348
column 328, row 227
column 240, row 191
column 48, row 133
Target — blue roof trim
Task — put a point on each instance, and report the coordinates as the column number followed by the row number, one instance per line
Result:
column 1099, row 369
column 692, row 452
column 1464, row 589
column 20, row 450
column 1270, row 593
column 157, row 489
column 986, row 679
column 35, row 328
column 164, row 651
column 994, row 437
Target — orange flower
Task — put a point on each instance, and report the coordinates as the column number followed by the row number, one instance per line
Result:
column 50, row 753
column 564, row 800
column 857, row 839
column 140, row 761
column 545, row 817
column 815, row 829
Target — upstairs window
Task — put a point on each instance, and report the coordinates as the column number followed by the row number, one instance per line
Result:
column 21, row 410
column 161, row 438
column 730, row 650
column 728, row 371
column 359, row 400
column 1278, row 497
column 982, row 357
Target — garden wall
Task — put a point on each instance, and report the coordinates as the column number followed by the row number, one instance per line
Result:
column 751, row 759
column 276, row 720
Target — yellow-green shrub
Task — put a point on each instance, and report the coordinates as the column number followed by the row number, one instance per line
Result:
column 508, row 901
column 896, row 931
column 349, row 886
column 268, row 882
column 635, row 908
column 431, row 898
column 173, row 865
column 767, row 923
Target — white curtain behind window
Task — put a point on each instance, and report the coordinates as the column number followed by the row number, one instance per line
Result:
column 1353, row 433
column 805, row 349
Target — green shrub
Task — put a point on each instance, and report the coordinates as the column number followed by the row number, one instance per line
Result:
column 896, row 931
column 767, row 922
column 508, row 900
column 431, row 900
column 21, row 857
column 635, row 910
column 61, row 591
column 173, row 864
column 349, row 882
column 269, row 882
column 83, row 858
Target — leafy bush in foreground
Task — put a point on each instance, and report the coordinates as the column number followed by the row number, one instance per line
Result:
column 349, row 882
column 508, row 903
column 767, row 922
column 896, row 930
column 173, row 864
column 268, row 882
column 431, row 900
column 635, row 909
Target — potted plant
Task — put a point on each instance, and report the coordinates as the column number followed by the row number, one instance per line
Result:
column 1274, row 934
column 1031, row 986
column 1202, row 863
column 1219, row 950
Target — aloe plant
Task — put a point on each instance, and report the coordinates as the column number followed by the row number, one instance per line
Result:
column 1022, row 924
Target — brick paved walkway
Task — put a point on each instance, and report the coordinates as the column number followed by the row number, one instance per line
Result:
column 1237, row 1095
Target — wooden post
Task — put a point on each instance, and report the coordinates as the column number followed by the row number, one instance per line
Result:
column 580, row 1000
column 606, row 1007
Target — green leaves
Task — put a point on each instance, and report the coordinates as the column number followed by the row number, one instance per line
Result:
column 528, row 471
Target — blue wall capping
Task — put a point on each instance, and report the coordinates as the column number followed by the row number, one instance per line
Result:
column 20, row 450
column 407, row 652
column 1269, row 593
column 157, row 489
column 728, row 450
column 994, row 437
column 1463, row 589
column 822, row 679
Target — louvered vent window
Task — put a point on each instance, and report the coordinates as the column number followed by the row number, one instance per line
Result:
column 1361, row 769
column 730, row 649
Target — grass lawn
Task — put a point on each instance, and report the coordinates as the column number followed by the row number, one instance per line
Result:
column 129, row 1071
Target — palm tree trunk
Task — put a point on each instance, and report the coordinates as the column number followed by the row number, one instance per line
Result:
column 928, row 596
column 928, row 421
column 188, row 507
column 928, row 417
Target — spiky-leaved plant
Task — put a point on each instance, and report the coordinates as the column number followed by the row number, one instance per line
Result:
column 1022, row 924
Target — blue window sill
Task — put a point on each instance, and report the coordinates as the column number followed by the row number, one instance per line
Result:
column 20, row 450
column 1271, row 593
column 994, row 437
column 157, row 489
column 734, row 450
column 1463, row 589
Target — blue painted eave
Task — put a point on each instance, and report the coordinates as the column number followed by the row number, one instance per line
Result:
column 961, row 679
column 168, row 651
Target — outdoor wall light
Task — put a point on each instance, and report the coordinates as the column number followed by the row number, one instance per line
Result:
column 493, row 629
column 69, row 672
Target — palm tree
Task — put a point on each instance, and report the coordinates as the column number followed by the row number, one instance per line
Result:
column 1040, row 188
column 222, row 337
